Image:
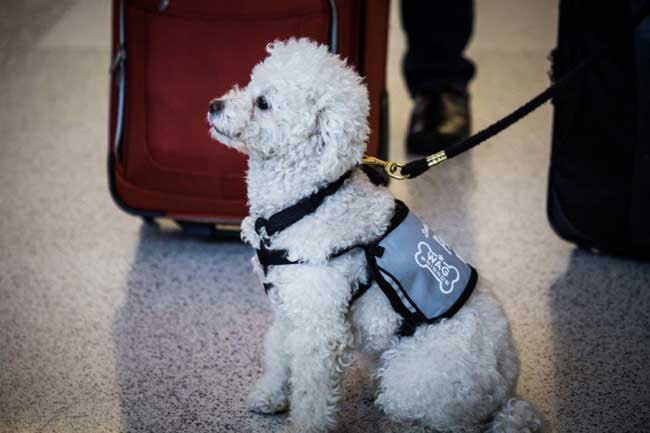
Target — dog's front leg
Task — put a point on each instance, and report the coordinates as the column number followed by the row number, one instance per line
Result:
column 270, row 392
column 319, row 355
column 315, row 299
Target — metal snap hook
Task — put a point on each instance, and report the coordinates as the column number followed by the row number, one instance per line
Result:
column 392, row 169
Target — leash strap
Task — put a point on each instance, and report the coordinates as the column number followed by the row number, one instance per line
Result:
column 417, row 167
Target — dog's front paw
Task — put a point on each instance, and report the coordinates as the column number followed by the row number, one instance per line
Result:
column 265, row 402
column 248, row 234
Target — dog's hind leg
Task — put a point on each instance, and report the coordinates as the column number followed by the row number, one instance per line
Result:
column 270, row 394
column 446, row 376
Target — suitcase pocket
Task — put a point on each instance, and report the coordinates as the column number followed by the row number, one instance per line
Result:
column 179, row 58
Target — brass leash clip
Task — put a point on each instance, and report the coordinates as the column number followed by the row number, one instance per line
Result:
column 392, row 169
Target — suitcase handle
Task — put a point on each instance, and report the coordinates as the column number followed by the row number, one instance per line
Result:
column 334, row 41
column 118, row 65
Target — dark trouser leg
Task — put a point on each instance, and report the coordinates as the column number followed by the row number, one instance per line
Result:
column 437, row 32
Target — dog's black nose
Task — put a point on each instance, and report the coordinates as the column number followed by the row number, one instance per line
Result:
column 216, row 105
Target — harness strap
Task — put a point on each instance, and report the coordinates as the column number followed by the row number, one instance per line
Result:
column 269, row 257
column 285, row 218
column 361, row 290
column 288, row 216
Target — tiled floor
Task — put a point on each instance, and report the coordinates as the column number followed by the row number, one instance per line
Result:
column 109, row 325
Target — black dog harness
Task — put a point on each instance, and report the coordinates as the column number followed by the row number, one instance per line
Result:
column 422, row 277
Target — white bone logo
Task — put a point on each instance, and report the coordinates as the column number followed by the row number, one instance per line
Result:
column 447, row 275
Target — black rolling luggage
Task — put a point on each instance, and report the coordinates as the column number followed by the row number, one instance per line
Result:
column 599, row 183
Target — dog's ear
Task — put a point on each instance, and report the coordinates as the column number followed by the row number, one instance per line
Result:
column 342, row 136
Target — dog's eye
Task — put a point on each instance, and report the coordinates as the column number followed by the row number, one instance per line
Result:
column 262, row 103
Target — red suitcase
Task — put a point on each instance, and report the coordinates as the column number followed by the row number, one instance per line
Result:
column 171, row 57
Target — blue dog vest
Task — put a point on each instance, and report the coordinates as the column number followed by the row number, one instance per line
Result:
column 422, row 277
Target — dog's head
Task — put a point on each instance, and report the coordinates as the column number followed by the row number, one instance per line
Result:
column 303, row 104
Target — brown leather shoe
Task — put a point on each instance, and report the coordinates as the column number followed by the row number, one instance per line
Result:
column 438, row 121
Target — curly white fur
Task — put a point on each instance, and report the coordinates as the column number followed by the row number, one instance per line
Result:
column 457, row 375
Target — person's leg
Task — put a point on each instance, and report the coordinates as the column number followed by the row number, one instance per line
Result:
column 436, row 72
column 437, row 34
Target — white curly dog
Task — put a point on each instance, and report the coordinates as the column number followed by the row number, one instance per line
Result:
column 302, row 121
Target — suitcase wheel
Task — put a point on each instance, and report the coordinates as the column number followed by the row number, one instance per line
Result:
column 197, row 229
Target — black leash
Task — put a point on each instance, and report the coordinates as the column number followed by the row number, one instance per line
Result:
column 417, row 167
